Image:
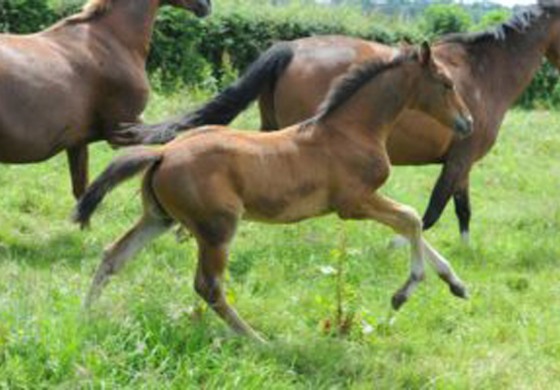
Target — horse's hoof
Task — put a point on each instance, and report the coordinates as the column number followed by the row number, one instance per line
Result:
column 398, row 242
column 466, row 238
column 459, row 291
column 398, row 300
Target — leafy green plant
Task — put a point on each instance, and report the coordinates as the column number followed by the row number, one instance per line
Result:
column 442, row 19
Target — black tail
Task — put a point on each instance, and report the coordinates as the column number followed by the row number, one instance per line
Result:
column 122, row 168
column 264, row 72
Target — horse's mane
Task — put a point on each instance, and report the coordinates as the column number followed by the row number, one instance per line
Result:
column 519, row 22
column 91, row 10
column 355, row 79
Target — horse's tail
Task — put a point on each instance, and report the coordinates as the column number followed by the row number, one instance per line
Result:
column 264, row 72
column 122, row 168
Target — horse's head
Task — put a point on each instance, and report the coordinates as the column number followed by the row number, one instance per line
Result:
column 437, row 95
column 200, row 8
column 551, row 14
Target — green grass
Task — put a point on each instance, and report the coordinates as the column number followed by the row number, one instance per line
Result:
column 147, row 330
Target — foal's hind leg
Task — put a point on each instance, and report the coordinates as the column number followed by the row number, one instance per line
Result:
column 213, row 239
column 116, row 256
column 209, row 285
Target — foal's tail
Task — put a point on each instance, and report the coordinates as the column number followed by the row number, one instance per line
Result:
column 122, row 168
column 225, row 107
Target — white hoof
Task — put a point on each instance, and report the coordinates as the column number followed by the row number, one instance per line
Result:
column 398, row 242
column 466, row 238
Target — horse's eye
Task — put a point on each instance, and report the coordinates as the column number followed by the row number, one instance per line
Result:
column 448, row 86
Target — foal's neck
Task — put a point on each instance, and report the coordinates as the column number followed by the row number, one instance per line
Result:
column 372, row 110
column 132, row 22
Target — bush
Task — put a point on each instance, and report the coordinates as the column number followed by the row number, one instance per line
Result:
column 442, row 19
column 492, row 18
column 25, row 16
column 183, row 45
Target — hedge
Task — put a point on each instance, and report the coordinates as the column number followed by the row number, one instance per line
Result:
column 208, row 53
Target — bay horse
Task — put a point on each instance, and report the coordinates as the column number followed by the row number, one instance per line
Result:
column 210, row 178
column 74, row 82
column 490, row 68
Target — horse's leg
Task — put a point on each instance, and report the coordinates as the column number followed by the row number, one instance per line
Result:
column 462, row 202
column 405, row 221
column 116, row 256
column 452, row 174
column 213, row 241
column 78, row 162
column 266, row 110
column 445, row 271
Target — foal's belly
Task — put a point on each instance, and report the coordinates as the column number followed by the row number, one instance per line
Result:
column 305, row 203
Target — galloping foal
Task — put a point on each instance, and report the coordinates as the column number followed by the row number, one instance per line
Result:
column 210, row 178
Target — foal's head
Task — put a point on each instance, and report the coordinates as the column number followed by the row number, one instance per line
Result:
column 200, row 8
column 436, row 94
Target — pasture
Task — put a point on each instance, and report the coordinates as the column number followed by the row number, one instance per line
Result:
column 148, row 331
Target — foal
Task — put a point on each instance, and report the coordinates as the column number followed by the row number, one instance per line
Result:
column 210, row 178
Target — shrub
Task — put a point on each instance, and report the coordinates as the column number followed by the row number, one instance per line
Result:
column 25, row 16
column 442, row 19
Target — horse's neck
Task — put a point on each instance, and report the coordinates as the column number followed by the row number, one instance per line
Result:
column 131, row 22
column 499, row 70
column 372, row 110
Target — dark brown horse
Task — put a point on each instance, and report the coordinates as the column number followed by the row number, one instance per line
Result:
column 490, row 69
column 71, row 84
column 212, row 177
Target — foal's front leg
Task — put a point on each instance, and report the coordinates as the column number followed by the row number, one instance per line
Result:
column 405, row 221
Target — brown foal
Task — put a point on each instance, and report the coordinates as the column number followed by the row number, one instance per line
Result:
column 72, row 83
column 210, row 178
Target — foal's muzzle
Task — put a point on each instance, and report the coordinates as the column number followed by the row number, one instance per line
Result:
column 463, row 125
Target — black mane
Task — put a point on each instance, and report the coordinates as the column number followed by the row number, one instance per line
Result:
column 519, row 22
column 352, row 81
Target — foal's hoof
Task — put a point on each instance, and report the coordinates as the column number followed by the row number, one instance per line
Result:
column 459, row 291
column 398, row 300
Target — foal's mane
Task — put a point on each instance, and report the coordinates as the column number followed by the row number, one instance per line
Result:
column 519, row 22
column 90, row 11
column 355, row 79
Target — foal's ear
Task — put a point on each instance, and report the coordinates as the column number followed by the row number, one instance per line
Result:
column 425, row 53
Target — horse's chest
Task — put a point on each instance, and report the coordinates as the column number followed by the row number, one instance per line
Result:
column 123, row 97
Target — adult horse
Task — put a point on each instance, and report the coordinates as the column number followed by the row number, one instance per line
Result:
column 211, row 178
column 490, row 69
column 72, row 83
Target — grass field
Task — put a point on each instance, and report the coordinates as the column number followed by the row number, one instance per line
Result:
column 147, row 331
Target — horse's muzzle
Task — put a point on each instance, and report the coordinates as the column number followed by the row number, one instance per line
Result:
column 463, row 126
column 203, row 8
